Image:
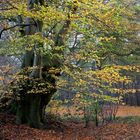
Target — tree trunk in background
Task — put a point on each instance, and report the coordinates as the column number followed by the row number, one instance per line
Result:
column 134, row 98
column 137, row 87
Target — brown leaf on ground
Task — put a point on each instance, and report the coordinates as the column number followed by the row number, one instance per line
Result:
column 58, row 130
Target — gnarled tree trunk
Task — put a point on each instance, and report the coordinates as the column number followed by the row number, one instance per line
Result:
column 31, row 107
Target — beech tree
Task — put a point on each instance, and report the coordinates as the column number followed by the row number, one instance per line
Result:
column 53, row 37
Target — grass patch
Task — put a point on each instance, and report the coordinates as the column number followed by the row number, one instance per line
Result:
column 128, row 119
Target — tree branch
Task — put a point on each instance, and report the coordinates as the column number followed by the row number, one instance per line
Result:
column 11, row 4
column 132, row 52
column 4, row 9
column 17, row 25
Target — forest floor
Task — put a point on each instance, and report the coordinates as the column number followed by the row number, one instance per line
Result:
column 127, row 127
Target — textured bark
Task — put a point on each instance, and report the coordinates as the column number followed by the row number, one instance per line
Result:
column 34, row 114
column 31, row 109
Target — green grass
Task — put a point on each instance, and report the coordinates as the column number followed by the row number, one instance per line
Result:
column 128, row 119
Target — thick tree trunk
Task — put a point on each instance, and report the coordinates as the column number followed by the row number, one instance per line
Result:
column 30, row 106
column 31, row 109
column 34, row 114
column 28, row 110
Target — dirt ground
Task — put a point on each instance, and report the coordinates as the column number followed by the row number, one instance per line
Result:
column 72, row 131
column 128, row 111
